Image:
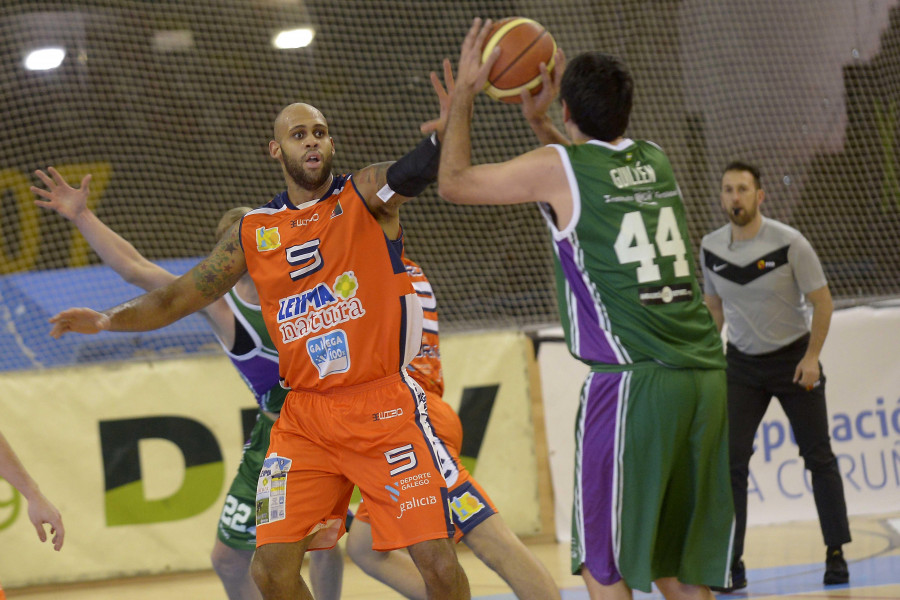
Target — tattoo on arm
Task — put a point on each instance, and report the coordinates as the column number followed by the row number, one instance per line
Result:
column 221, row 270
column 375, row 175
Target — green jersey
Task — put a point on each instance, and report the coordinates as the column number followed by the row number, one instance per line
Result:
column 254, row 355
column 624, row 269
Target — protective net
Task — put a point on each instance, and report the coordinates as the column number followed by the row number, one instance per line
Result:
column 170, row 104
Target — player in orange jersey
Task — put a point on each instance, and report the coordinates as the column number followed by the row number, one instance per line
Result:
column 475, row 517
column 345, row 320
column 236, row 321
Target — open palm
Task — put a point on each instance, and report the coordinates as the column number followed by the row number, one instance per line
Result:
column 60, row 196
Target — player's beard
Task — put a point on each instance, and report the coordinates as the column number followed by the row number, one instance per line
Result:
column 302, row 177
column 744, row 217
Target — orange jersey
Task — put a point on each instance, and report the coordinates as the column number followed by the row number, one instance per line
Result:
column 425, row 368
column 334, row 292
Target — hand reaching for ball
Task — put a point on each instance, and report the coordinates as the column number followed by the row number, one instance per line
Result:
column 472, row 73
column 444, row 96
column 536, row 104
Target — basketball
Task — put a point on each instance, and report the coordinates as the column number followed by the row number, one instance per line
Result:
column 524, row 44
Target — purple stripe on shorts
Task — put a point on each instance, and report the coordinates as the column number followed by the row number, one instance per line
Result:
column 593, row 345
column 597, row 476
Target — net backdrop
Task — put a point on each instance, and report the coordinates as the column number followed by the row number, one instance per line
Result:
column 170, row 105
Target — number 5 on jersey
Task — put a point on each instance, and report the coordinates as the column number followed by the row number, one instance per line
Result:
column 306, row 256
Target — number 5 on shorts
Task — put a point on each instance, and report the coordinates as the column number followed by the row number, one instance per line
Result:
column 403, row 453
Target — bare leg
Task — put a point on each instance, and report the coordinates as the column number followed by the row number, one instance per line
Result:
column 444, row 577
column 233, row 568
column 326, row 573
column 598, row 591
column 673, row 589
column 499, row 548
column 276, row 570
column 395, row 569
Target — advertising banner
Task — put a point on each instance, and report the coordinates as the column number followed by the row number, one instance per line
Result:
column 477, row 366
column 861, row 361
column 138, row 456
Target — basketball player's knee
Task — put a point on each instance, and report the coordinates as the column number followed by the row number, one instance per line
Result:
column 264, row 575
column 357, row 548
column 438, row 565
column 227, row 563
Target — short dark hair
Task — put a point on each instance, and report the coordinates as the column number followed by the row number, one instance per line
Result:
column 598, row 91
column 739, row 165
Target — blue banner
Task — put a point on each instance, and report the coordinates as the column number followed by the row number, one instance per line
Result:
column 28, row 300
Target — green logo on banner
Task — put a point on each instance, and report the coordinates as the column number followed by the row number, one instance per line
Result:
column 126, row 501
column 128, row 505
column 14, row 505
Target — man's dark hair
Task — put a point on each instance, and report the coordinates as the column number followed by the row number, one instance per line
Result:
column 598, row 91
column 739, row 165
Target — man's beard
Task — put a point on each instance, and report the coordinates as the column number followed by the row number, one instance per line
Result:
column 304, row 179
column 743, row 217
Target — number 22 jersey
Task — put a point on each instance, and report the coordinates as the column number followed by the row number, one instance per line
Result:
column 334, row 292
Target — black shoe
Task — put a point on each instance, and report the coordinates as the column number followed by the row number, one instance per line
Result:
column 738, row 579
column 836, row 568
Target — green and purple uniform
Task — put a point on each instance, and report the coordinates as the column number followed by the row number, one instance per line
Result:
column 652, row 497
column 256, row 360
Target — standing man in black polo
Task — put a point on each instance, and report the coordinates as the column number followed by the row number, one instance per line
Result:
column 760, row 276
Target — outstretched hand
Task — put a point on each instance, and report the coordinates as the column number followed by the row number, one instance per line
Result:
column 40, row 511
column 78, row 320
column 60, row 196
column 471, row 74
column 535, row 107
column 444, row 96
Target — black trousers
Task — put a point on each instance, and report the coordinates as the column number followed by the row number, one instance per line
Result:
column 752, row 382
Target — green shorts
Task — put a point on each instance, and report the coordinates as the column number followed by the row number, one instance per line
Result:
column 652, row 486
column 237, row 525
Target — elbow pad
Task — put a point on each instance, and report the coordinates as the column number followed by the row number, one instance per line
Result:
column 418, row 168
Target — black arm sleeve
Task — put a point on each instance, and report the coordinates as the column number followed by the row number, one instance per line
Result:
column 418, row 168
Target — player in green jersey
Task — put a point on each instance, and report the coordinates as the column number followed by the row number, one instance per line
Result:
column 652, row 499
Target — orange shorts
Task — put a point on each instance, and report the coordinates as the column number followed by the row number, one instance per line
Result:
column 376, row 436
column 469, row 504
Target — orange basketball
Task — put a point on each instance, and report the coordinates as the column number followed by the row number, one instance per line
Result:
column 524, row 44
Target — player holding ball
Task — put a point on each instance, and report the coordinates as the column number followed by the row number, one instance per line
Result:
column 524, row 44
column 652, row 500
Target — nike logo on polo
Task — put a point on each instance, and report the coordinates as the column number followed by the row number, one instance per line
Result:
column 718, row 268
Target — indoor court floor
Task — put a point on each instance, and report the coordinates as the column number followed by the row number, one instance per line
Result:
column 783, row 561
